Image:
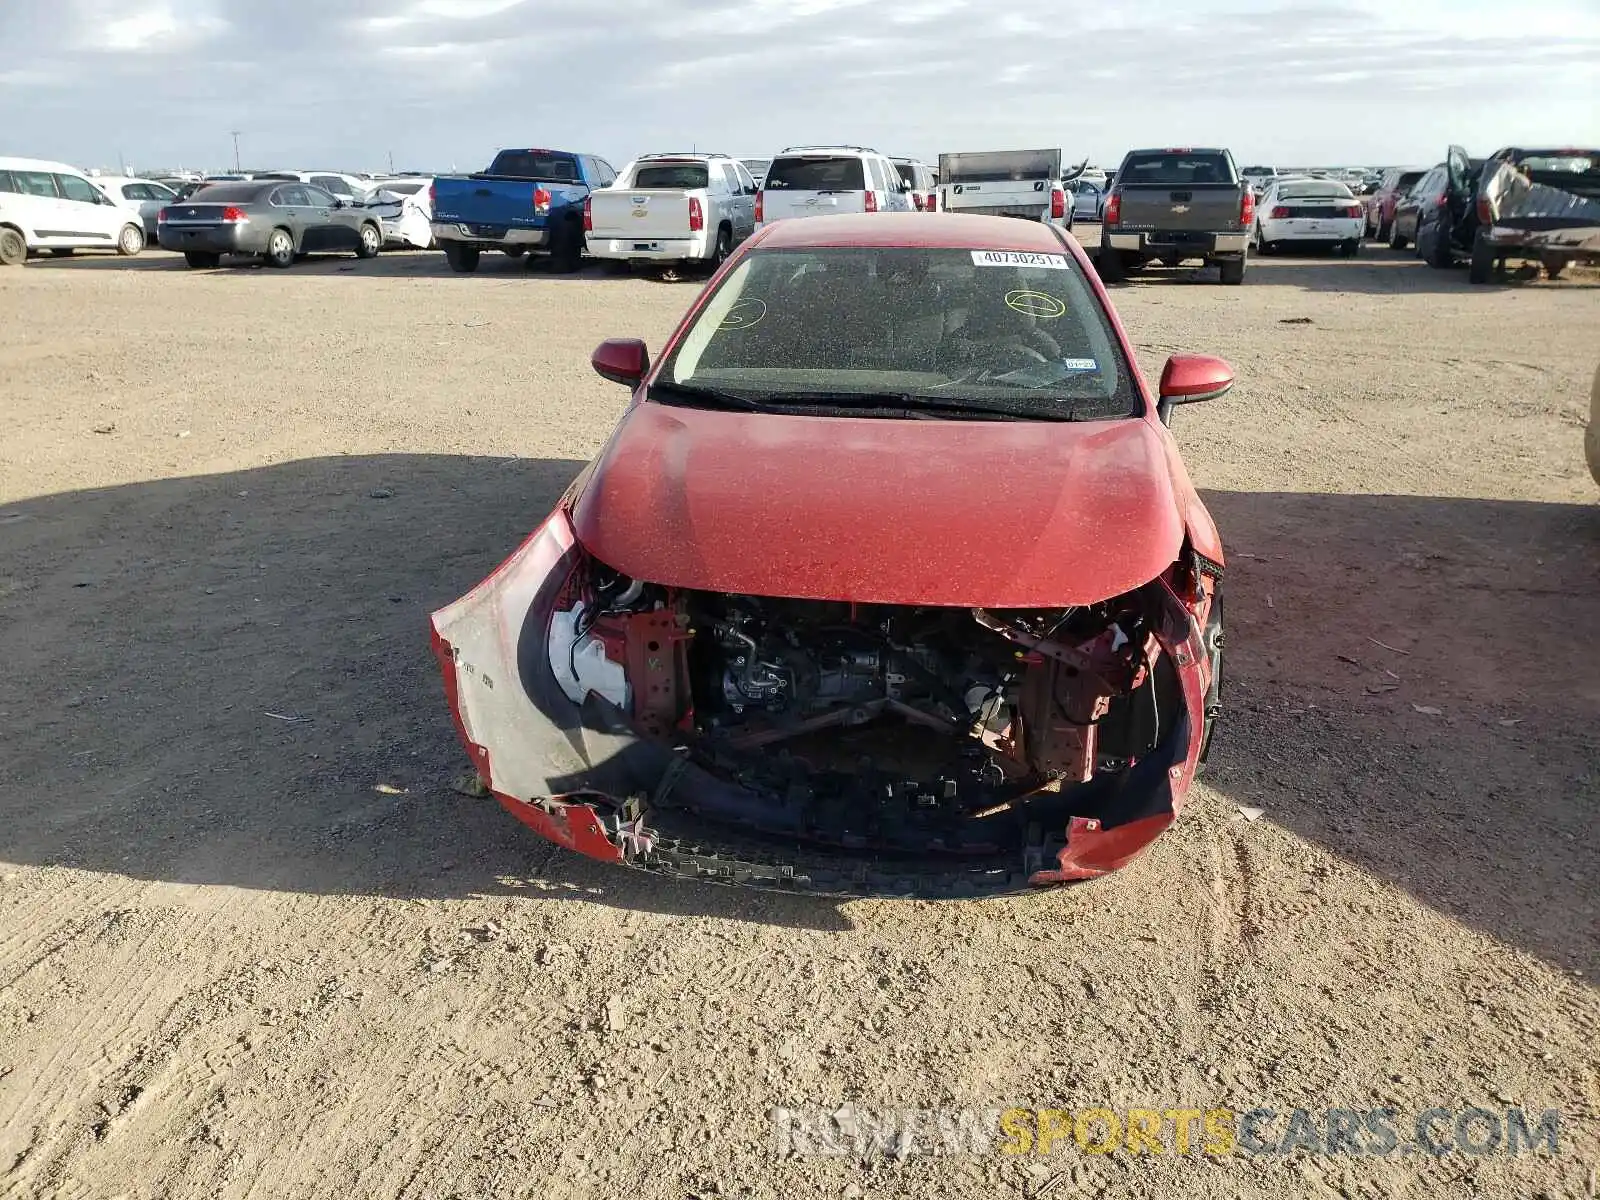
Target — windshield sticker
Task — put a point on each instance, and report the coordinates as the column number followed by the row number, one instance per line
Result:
column 1035, row 304
column 1080, row 364
column 746, row 314
column 1019, row 258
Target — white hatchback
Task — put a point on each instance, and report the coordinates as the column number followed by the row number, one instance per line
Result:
column 51, row 206
column 820, row 181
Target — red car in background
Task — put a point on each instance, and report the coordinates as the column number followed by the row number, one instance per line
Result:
column 1396, row 182
column 890, row 580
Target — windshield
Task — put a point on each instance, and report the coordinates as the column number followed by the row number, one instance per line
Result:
column 1266, row 172
column 533, row 164
column 1017, row 334
column 907, row 173
column 227, row 193
column 671, row 175
column 1314, row 191
column 817, row 174
column 1177, row 169
column 1577, row 162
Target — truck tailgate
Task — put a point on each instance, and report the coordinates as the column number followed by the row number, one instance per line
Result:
column 1029, row 198
column 1202, row 208
column 506, row 203
column 642, row 214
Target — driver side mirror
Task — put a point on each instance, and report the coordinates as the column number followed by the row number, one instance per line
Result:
column 621, row 360
column 1189, row 379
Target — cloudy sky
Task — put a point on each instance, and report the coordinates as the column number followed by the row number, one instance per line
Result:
column 439, row 84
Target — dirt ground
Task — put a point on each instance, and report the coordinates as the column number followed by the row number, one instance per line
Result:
column 250, row 956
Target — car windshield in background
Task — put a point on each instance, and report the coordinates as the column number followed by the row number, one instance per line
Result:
column 907, row 173
column 904, row 331
column 409, row 188
column 1407, row 180
column 1576, row 162
column 817, row 174
column 532, row 164
column 1176, row 170
column 1314, row 191
column 228, row 193
column 671, row 175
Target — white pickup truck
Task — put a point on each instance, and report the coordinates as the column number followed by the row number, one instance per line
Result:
column 1006, row 183
column 668, row 209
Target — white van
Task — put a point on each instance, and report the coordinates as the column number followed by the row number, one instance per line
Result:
column 819, row 181
column 51, row 206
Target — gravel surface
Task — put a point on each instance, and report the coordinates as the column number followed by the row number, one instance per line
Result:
column 253, row 944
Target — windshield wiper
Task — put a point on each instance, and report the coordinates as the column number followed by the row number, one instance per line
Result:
column 710, row 397
column 915, row 404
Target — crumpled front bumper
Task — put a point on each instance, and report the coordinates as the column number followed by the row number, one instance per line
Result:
column 579, row 776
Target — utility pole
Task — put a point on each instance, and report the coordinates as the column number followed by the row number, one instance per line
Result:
column 391, row 162
column 236, row 168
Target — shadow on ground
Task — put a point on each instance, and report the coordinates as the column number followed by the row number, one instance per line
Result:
column 162, row 631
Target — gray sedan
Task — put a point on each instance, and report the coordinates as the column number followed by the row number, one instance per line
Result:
column 278, row 220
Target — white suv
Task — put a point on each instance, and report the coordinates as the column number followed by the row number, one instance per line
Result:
column 817, row 181
column 924, row 185
column 51, row 206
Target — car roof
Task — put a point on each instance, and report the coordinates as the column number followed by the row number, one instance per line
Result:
column 950, row 231
column 38, row 164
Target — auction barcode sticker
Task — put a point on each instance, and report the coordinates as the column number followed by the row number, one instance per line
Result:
column 1019, row 258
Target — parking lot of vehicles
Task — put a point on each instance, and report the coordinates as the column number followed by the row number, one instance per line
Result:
column 819, row 181
column 274, row 943
column 528, row 201
column 1169, row 206
column 277, row 221
column 672, row 209
column 1309, row 212
column 1006, row 183
column 52, row 207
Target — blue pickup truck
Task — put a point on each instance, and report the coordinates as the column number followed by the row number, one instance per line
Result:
column 528, row 200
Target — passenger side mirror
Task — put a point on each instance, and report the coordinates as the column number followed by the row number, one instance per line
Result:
column 621, row 360
column 1190, row 378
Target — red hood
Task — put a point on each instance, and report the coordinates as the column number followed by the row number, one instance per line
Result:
column 1010, row 514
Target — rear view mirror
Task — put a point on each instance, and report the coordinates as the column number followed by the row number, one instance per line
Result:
column 1189, row 379
column 621, row 360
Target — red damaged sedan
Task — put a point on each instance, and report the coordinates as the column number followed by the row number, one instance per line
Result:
column 890, row 581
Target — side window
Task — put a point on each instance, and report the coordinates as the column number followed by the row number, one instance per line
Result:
column 332, row 183
column 74, row 187
column 316, row 197
column 7, row 184
column 139, row 191
column 747, row 181
column 607, row 172
column 36, row 183
column 875, row 175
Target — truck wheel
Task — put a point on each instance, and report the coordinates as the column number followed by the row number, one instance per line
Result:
column 1554, row 265
column 1108, row 265
column 461, row 258
column 1232, row 270
column 1482, row 268
column 13, row 247
column 566, row 249
column 724, row 247
column 513, row 251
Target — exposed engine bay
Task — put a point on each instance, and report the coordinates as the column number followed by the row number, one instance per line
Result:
column 886, row 726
